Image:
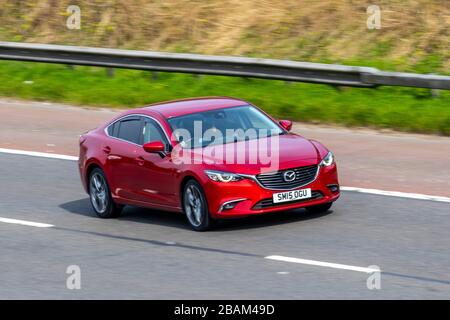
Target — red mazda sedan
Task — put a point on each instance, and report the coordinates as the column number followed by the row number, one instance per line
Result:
column 209, row 158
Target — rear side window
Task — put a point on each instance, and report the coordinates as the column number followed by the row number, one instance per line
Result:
column 113, row 129
column 129, row 130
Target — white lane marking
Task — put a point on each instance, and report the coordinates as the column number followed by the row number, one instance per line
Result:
column 26, row 223
column 39, row 154
column 354, row 189
column 322, row 264
column 398, row 194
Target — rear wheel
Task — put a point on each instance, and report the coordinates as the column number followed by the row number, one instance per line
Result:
column 100, row 196
column 320, row 208
column 195, row 206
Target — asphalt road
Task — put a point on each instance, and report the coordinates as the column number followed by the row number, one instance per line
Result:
column 154, row 255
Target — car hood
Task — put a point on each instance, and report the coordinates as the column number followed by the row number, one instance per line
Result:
column 260, row 155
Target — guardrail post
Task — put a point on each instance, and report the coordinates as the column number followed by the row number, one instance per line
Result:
column 110, row 72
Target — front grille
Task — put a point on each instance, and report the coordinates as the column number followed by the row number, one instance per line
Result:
column 275, row 180
column 267, row 203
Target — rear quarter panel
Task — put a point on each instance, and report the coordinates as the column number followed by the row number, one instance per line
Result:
column 90, row 154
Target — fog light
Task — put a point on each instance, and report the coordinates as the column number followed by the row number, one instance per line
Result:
column 333, row 187
column 230, row 204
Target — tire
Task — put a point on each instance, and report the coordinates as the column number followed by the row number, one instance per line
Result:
column 100, row 196
column 195, row 207
column 320, row 208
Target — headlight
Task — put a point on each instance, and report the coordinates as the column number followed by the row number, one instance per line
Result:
column 221, row 176
column 328, row 160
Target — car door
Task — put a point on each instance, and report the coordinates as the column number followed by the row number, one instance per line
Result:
column 121, row 160
column 157, row 182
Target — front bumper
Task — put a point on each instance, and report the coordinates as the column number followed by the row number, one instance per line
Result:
column 258, row 200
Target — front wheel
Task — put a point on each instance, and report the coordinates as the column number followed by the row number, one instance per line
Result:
column 320, row 208
column 195, row 206
column 100, row 196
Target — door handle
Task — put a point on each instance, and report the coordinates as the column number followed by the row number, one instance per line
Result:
column 107, row 149
column 113, row 157
column 140, row 161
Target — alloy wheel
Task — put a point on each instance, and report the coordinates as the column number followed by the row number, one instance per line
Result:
column 193, row 205
column 98, row 192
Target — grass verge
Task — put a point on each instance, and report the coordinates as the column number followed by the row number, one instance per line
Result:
column 404, row 109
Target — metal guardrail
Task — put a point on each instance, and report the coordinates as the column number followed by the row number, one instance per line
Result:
column 219, row 65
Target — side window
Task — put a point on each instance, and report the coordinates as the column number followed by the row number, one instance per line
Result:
column 129, row 130
column 113, row 129
column 152, row 132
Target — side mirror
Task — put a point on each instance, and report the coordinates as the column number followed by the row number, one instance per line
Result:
column 154, row 147
column 286, row 124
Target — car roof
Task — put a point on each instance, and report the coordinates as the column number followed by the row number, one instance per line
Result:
column 177, row 108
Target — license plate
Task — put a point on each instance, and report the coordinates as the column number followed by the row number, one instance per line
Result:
column 291, row 195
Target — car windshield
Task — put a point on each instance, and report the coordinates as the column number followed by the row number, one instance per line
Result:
column 222, row 126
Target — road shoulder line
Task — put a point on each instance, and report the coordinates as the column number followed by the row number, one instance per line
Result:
column 322, row 264
column 26, row 223
column 417, row 196
column 39, row 154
